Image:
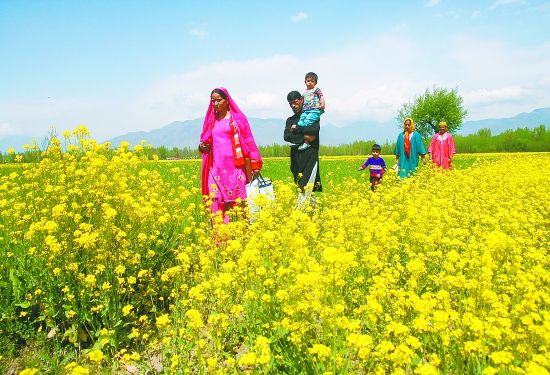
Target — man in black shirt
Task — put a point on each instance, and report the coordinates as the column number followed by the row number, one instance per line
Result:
column 303, row 163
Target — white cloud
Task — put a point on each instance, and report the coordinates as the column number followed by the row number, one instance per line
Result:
column 498, row 3
column 483, row 96
column 200, row 34
column 507, row 101
column 475, row 14
column 431, row 3
column 261, row 100
column 186, row 95
column 369, row 80
column 39, row 117
column 300, row 16
column 496, row 79
column 7, row 129
column 361, row 81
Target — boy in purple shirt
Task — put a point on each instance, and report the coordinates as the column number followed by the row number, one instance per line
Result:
column 377, row 167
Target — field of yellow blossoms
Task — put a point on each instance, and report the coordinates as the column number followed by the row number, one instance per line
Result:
column 110, row 263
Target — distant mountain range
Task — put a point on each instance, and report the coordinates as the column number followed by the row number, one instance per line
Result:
column 270, row 131
column 529, row 120
column 266, row 132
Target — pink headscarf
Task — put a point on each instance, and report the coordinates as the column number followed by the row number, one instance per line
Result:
column 250, row 149
column 210, row 118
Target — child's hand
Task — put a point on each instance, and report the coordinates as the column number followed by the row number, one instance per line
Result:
column 360, row 169
column 204, row 147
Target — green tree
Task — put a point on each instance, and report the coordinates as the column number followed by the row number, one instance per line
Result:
column 485, row 132
column 162, row 152
column 428, row 109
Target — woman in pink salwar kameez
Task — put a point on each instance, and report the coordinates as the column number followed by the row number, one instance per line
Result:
column 226, row 143
column 442, row 148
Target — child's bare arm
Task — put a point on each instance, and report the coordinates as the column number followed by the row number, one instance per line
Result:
column 322, row 102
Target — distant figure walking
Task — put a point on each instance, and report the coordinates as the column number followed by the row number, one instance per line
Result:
column 408, row 148
column 442, row 148
column 376, row 165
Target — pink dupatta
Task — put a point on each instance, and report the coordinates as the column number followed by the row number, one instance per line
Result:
column 248, row 144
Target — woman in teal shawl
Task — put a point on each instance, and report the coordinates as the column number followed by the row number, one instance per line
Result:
column 407, row 149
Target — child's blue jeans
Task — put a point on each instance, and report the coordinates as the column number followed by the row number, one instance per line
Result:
column 309, row 117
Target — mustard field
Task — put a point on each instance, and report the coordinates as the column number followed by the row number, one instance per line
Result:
column 113, row 264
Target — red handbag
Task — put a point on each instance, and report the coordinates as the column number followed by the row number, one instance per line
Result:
column 238, row 155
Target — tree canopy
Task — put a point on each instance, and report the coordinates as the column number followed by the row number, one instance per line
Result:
column 428, row 109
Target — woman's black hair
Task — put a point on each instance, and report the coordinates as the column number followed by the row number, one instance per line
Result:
column 219, row 92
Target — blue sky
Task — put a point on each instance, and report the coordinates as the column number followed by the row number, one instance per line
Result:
column 118, row 66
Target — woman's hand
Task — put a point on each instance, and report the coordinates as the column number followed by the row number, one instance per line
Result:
column 204, row 147
column 255, row 174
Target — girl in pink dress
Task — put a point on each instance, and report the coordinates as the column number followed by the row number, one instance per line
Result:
column 226, row 143
column 442, row 148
